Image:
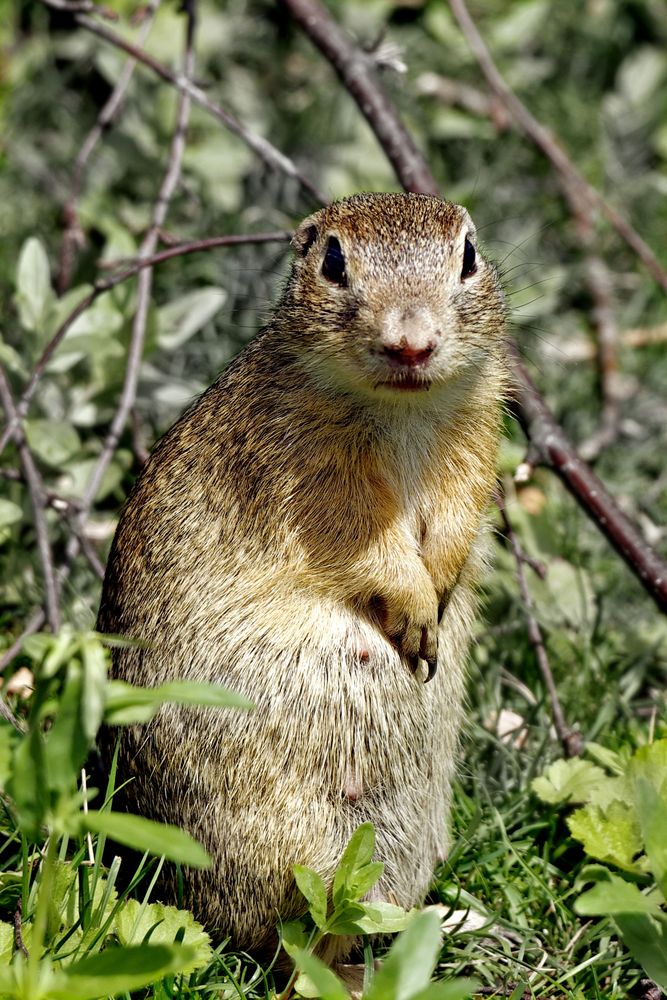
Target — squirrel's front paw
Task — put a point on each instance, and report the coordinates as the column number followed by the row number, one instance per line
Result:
column 413, row 628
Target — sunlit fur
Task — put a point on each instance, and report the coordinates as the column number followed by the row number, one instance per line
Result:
column 305, row 509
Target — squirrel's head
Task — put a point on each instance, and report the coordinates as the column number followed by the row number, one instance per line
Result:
column 390, row 295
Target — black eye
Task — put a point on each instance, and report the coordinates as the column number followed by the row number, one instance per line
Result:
column 333, row 266
column 469, row 265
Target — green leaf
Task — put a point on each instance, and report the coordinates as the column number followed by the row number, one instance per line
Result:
column 93, row 698
column 119, row 970
column 126, row 704
column 407, row 969
column 312, row 887
column 382, row 918
column 646, row 938
column 7, row 933
column 568, row 781
column 10, row 513
column 33, row 285
column 66, row 742
column 318, row 980
column 53, row 441
column 344, row 919
column 293, row 936
column 652, row 812
column 611, row 835
column 356, row 855
column 144, row 835
column 27, row 785
column 165, row 924
column 181, row 319
column 364, row 879
column 614, row 896
column 8, row 740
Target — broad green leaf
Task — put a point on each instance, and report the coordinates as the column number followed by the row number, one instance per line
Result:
column 652, row 812
column 165, row 924
column 317, row 980
column 181, row 319
column 10, row 513
column 568, row 781
column 344, row 919
column 119, row 970
column 614, row 896
column 6, row 943
column 54, row 441
column 313, row 888
column 293, row 936
column 8, row 739
column 611, row 835
column 33, row 285
column 410, row 962
column 382, row 918
column 356, row 855
column 127, row 704
column 144, row 835
column 646, row 938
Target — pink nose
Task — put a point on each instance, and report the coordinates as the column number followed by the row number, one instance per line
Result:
column 409, row 356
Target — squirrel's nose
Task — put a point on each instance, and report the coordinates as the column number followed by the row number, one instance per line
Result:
column 409, row 354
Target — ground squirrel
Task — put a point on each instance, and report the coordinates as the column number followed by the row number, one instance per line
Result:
column 309, row 533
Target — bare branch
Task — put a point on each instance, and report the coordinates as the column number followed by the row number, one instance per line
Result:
column 38, row 503
column 73, row 237
column 106, row 284
column 551, row 447
column 268, row 153
column 355, row 69
column 570, row 739
column 550, row 147
column 35, row 623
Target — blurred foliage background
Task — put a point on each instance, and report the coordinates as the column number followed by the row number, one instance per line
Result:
column 594, row 73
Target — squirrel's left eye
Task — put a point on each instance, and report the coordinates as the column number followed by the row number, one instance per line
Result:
column 469, row 260
column 333, row 266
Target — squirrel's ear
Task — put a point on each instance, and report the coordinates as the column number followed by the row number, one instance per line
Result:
column 304, row 237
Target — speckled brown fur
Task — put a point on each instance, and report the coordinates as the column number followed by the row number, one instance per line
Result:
column 293, row 537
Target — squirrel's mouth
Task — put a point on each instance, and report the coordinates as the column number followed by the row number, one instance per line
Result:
column 406, row 381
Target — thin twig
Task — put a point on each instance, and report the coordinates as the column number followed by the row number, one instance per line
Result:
column 73, row 236
column 38, row 502
column 550, row 147
column 145, row 281
column 34, row 625
column 103, row 285
column 267, row 152
column 551, row 445
column 355, row 69
column 570, row 739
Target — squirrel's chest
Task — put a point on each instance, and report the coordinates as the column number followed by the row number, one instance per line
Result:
column 410, row 464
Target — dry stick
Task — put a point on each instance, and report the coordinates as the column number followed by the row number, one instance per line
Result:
column 38, row 503
column 547, row 438
column 355, row 69
column 552, row 149
column 268, row 153
column 551, row 447
column 34, row 625
column 570, row 739
column 73, row 237
column 145, row 281
column 106, row 284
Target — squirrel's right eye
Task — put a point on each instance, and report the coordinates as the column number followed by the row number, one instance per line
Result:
column 333, row 266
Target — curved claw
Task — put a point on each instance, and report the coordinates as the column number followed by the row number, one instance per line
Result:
column 432, row 667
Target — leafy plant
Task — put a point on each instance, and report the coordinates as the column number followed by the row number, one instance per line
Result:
column 406, row 971
column 77, row 941
column 623, row 824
